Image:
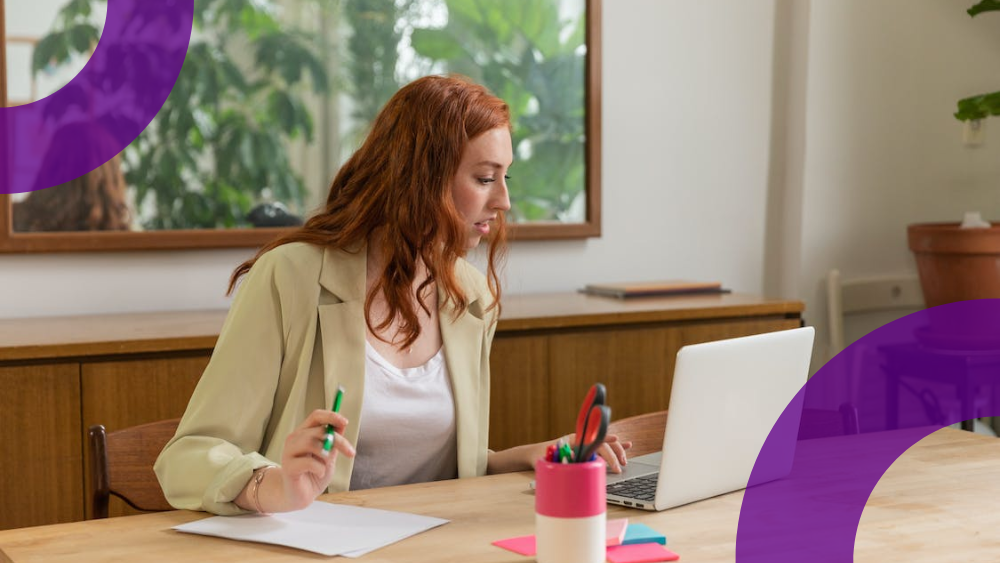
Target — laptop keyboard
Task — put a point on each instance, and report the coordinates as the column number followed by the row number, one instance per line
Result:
column 641, row 488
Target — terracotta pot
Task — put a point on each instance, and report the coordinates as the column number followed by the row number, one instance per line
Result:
column 956, row 264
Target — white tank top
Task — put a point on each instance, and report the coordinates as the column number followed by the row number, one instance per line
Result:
column 408, row 432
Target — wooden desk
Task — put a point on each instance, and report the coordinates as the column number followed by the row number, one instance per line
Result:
column 918, row 513
column 61, row 375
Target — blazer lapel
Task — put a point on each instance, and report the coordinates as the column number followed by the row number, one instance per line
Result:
column 462, row 338
column 342, row 325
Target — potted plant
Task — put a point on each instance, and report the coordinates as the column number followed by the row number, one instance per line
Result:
column 956, row 261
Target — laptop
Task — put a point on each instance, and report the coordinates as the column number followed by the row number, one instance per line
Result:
column 726, row 397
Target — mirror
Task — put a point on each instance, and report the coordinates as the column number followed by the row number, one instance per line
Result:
column 276, row 94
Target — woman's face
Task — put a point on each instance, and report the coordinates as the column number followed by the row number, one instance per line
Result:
column 479, row 189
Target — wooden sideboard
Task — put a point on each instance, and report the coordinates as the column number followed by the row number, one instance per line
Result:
column 60, row 375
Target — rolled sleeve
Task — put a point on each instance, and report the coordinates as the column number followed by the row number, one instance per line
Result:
column 209, row 461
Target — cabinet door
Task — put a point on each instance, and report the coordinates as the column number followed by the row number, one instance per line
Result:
column 125, row 393
column 41, row 476
column 635, row 364
column 519, row 391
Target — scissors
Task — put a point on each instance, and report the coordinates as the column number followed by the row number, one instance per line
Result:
column 591, row 423
column 596, row 430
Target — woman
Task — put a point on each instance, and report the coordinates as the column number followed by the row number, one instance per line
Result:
column 372, row 295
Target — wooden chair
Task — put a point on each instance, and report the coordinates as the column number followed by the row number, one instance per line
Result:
column 871, row 302
column 644, row 430
column 122, row 465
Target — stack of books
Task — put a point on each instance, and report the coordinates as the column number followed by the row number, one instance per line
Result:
column 658, row 288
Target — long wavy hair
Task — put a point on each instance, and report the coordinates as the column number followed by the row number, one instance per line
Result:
column 95, row 201
column 399, row 182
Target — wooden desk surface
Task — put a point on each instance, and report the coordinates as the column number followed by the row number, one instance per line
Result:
column 179, row 331
column 937, row 502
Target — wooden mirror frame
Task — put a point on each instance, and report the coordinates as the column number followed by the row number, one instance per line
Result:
column 100, row 241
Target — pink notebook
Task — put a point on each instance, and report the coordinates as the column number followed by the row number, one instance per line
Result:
column 616, row 530
column 525, row 545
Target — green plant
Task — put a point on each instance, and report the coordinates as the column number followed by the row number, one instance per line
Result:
column 221, row 138
column 526, row 54
column 219, row 144
column 373, row 55
column 983, row 105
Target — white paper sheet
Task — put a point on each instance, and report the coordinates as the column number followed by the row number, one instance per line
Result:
column 324, row 528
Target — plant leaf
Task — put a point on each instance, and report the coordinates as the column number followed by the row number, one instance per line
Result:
column 984, row 6
column 83, row 36
column 978, row 107
column 436, row 44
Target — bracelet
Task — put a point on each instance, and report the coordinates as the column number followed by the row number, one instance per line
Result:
column 254, row 492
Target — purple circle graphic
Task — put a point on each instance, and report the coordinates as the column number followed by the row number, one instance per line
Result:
column 106, row 106
column 907, row 379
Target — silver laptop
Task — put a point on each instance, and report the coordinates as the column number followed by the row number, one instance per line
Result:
column 726, row 397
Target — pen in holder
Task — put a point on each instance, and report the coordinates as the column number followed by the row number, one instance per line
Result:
column 570, row 512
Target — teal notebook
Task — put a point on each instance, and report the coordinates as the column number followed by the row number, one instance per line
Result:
column 641, row 533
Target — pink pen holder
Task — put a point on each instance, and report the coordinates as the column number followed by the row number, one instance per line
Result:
column 570, row 512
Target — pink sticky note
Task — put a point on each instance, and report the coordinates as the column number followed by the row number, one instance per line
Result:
column 524, row 545
column 640, row 553
column 616, row 530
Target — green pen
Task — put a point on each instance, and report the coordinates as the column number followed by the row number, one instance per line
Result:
column 330, row 430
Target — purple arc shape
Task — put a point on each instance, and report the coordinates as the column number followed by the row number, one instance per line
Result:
column 106, row 106
column 909, row 378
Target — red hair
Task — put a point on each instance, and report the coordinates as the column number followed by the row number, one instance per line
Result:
column 401, row 179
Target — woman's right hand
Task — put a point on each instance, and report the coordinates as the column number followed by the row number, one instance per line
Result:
column 306, row 470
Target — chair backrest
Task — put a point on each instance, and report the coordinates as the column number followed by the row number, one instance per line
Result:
column 644, row 430
column 887, row 294
column 122, row 465
column 870, row 303
column 823, row 423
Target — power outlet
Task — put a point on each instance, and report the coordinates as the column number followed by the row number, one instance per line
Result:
column 974, row 133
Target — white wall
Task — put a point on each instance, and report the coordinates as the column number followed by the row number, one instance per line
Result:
column 686, row 111
column 882, row 149
column 686, row 125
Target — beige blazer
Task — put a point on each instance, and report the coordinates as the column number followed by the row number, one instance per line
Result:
column 296, row 330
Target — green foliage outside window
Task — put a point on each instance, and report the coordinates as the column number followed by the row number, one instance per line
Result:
column 222, row 141
column 524, row 54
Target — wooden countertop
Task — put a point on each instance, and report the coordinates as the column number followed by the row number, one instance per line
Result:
column 179, row 331
column 560, row 310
